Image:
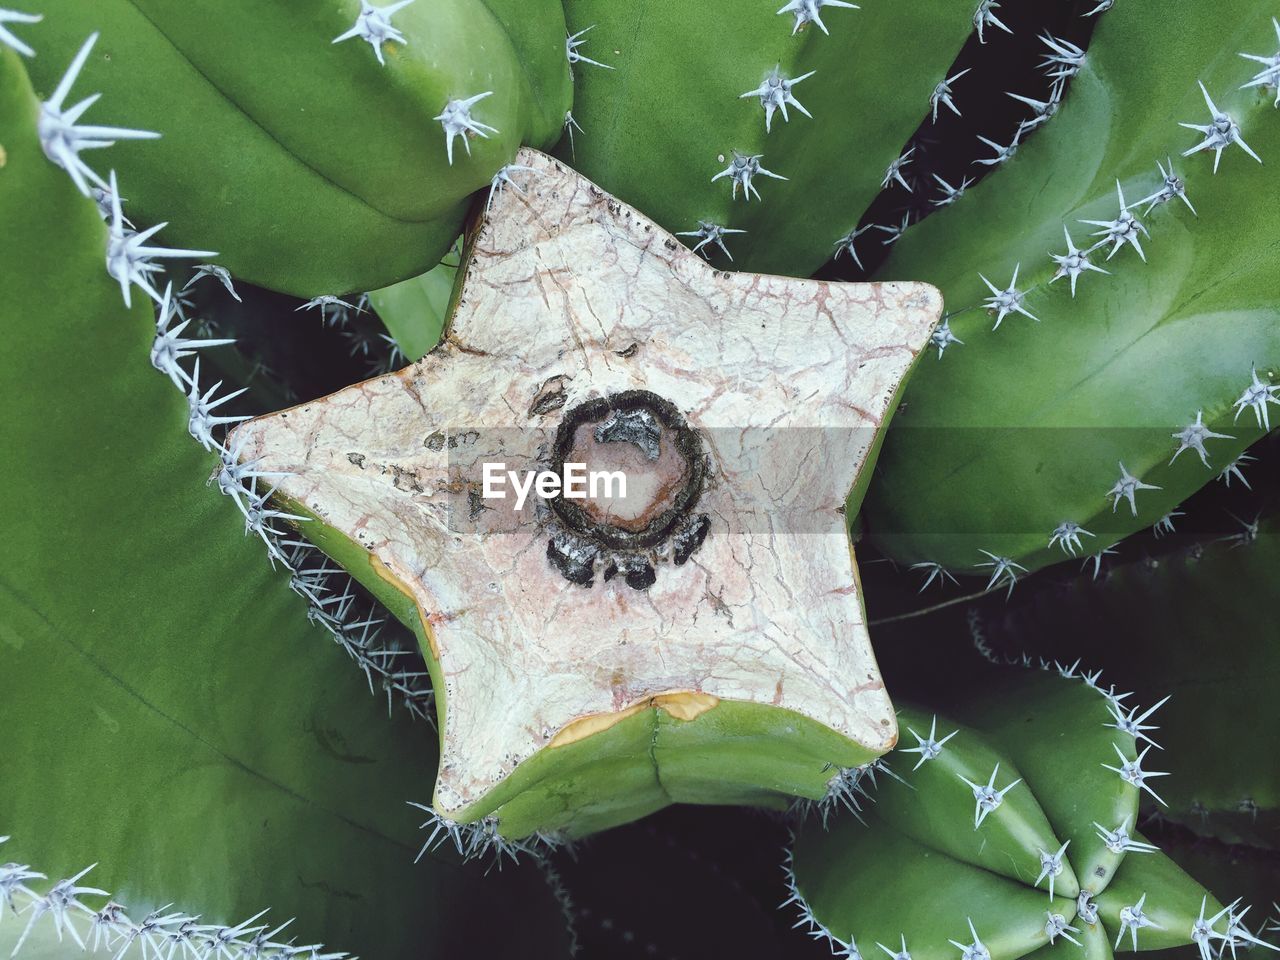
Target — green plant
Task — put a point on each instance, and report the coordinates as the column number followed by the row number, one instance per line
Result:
column 1187, row 617
column 415, row 310
column 725, row 146
column 1081, row 406
column 394, row 491
column 182, row 749
column 337, row 176
column 217, row 735
column 1033, row 791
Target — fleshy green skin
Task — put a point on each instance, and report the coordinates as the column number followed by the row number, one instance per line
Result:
column 1191, row 629
column 1024, row 427
column 919, row 868
column 414, row 310
column 740, row 753
column 310, row 167
column 1229, row 871
column 169, row 713
column 669, row 116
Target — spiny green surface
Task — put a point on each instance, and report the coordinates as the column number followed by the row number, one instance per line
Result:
column 1025, row 427
column 876, row 886
column 925, row 807
column 1229, row 871
column 310, row 167
column 1093, row 945
column 1173, row 902
column 920, row 868
column 668, row 117
column 1048, row 722
column 1191, row 630
column 170, row 714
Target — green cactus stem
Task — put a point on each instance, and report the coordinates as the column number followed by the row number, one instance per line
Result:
column 414, row 310
column 1004, row 832
column 182, row 750
column 1189, row 625
column 759, row 136
column 313, row 166
column 1136, row 352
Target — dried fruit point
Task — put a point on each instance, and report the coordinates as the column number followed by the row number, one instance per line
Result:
column 641, row 436
column 566, row 632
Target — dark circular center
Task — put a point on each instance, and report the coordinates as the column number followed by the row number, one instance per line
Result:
column 643, row 438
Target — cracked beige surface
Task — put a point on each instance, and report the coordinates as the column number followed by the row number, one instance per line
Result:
column 785, row 380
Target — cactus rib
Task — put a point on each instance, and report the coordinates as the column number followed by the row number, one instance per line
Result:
column 110, row 927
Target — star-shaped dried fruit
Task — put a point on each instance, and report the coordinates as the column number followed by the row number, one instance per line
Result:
column 699, row 638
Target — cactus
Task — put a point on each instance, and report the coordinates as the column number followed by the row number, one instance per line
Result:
column 1230, row 871
column 1127, row 363
column 348, row 173
column 182, row 749
column 415, row 310
column 1003, row 833
column 219, row 736
column 1176, row 614
column 758, row 137
column 682, row 716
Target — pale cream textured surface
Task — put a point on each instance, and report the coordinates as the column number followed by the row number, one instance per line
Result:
column 563, row 280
